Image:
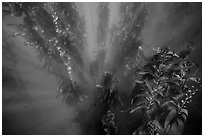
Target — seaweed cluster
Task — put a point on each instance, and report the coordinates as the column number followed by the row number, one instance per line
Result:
column 168, row 80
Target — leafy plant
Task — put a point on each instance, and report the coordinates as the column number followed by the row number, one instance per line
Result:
column 108, row 100
column 166, row 87
column 168, row 82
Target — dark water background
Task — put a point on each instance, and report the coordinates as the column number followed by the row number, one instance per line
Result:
column 29, row 103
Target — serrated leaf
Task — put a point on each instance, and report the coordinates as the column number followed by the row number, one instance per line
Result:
column 166, row 103
column 182, row 117
column 138, row 96
column 174, row 101
column 135, row 105
column 184, row 111
column 177, row 97
column 149, row 87
column 144, row 73
column 167, row 129
column 169, row 117
column 141, row 95
column 159, row 92
column 147, row 74
column 176, row 127
column 171, row 107
column 140, row 103
column 185, row 117
column 137, row 108
column 163, row 78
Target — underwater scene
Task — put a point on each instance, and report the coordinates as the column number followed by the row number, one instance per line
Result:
column 99, row 68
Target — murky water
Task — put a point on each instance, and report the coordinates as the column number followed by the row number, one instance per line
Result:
column 37, row 110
